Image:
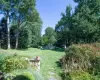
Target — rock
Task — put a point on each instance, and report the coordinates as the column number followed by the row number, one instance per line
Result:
column 52, row 78
column 1, row 76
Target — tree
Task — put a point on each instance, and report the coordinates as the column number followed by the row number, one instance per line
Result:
column 23, row 14
column 24, row 37
column 35, row 27
column 64, row 26
column 6, row 8
column 49, row 38
column 82, row 26
column 86, row 20
column 3, row 33
column 36, row 34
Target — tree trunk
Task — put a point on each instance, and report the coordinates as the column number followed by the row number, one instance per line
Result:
column 8, row 31
column 17, row 34
column 65, row 47
column 16, row 41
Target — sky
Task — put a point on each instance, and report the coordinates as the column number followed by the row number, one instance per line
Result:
column 1, row 15
column 50, row 11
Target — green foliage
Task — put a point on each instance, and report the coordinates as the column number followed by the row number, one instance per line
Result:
column 96, row 65
column 13, row 35
column 97, row 77
column 49, row 38
column 24, row 37
column 82, row 26
column 12, row 63
column 84, row 57
column 2, row 58
column 80, row 57
column 36, row 34
column 21, row 15
column 79, row 75
column 3, row 33
column 63, row 27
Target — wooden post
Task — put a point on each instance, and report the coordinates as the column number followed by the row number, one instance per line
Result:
column 38, row 62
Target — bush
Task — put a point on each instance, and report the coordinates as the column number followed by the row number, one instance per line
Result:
column 97, row 77
column 96, row 65
column 14, row 62
column 78, row 57
column 2, row 58
column 79, row 75
column 83, row 57
column 76, row 75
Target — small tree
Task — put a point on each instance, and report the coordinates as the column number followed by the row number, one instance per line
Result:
column 49, row 38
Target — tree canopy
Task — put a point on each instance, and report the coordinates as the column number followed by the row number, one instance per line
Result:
column 82, row 26
column 23, row 23
column 49, row 38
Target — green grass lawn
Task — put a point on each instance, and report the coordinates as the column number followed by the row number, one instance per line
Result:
column 49, row 67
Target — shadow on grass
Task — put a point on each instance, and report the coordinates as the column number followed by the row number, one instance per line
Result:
column 21, row 77
column 23, row 49
column 65, row 76
column 57, row 49
column 59, row 64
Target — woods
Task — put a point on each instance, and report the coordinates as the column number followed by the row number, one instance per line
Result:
column 81, row 26
column 23, row 23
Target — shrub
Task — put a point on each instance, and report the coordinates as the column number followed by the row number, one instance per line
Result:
column 96, row 65
column 83, row 57
column 78, row 57
column 97, row 77
column 79, row 75
column 14, row 62
column 76, row 75
column 2, row 58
